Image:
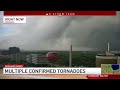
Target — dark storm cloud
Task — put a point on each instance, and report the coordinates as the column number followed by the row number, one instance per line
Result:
column 95, row 32
column 39, row 32
column 84, row 33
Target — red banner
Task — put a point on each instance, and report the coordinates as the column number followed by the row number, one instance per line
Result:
column 14, row 66
column 60, row 13
column 112, row 76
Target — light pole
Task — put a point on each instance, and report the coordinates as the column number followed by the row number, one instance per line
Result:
column 70, row 57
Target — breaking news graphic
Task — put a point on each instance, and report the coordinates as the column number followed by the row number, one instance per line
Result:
column 59, row 45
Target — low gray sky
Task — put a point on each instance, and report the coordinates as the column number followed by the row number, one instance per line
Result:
column 57, row 33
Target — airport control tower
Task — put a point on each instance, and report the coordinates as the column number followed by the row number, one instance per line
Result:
column 108, row 58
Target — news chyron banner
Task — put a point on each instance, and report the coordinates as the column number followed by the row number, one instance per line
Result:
column 20, row 69
column 20, row 16
column 107, row 71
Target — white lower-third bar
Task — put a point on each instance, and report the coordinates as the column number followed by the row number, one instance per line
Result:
column 51, row 70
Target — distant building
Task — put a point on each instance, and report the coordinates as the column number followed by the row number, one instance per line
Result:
column 14, row 50
column 108, row 58
column 5, row 52
column 11, row 54
column 0, row 52
column 37, row 59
